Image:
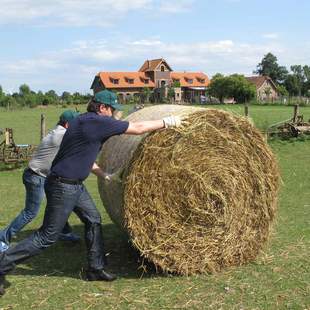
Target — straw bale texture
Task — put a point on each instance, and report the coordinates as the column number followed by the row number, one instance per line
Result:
column 195, row 199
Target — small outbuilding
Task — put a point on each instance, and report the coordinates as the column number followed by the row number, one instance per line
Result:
column 266, row 89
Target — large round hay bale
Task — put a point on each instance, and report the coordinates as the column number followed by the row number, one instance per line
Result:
column 194, row 199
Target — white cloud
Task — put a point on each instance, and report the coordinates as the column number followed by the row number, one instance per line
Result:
column 270, row 36
column 175, row 6
column 74, row 68
column 67, row 12
column 80, row 12
column 146, row 42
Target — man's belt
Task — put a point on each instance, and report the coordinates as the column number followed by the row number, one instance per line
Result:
column 33, row 172
column 65, row 180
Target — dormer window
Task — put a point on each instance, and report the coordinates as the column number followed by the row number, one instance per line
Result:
column 200, row 80
column 144, row 80
column 189, row 81
column 114, row 81
column 129, row 80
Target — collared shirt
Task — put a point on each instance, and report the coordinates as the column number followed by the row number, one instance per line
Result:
column 82, row 143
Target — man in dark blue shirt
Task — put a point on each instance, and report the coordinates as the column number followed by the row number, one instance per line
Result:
column 64, row 187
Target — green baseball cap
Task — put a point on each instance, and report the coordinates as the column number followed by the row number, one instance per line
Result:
column 68, row 115
column 108, row 98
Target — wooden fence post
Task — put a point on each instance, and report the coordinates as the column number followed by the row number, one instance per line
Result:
column 296, row 112
column 42, row 126
column 246, row 110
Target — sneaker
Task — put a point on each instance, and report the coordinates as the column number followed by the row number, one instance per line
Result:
column 69, row 237
column 3, row 246
column 2, row 280
column 99, row 275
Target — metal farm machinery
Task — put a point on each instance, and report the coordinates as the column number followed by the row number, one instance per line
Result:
column 290, row 128
column 12, row 153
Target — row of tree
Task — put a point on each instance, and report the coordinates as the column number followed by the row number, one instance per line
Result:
column 295, row 82
column 28, row 98
column 235, row 86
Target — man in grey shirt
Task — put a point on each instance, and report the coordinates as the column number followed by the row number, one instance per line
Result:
column 34, row 177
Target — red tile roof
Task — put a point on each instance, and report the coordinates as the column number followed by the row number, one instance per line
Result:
column 198, row 79
column 258, row 81
column 151, row 65
column 138, row 79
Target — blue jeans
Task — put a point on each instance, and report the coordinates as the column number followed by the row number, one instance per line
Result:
column 34, row 185
column 62, row 199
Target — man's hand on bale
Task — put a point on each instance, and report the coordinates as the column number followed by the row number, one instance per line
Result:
column 172, row 121
column 113, row 177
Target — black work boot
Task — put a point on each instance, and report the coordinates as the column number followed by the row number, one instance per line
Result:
column 2, row 280
column 99, row 275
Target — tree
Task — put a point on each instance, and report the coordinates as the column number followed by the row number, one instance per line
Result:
column 66, row 97
column 24, row 90
column 51, row 97
column 292, row 85
column 282, row 90
column 269, row 67
column 146, row 94
column 234, row 86
column 171, row 93
column 298, row 72
column 218, row 87
column 2, row 96
column 240, row 88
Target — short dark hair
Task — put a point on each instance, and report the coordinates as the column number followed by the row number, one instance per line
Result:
column 93, row 106
column 62, row 122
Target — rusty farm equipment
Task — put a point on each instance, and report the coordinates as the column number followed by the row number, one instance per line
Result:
column 12, row 153
column 291, row 128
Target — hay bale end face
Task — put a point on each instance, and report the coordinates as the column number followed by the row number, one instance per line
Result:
column 195, row 199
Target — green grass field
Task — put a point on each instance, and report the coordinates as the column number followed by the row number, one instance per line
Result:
column 278, row 279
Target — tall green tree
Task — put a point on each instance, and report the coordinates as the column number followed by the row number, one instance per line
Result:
column 240, row 88
column 218, row 87
column 2, row 96
column 234, row 86
column 51, row 97
column 292, row 85
column 298, row 72
column 269, row 67
column 24, row 90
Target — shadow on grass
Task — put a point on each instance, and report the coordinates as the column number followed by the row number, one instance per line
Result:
column 69, row 259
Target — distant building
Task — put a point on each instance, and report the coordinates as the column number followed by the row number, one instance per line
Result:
column 266, row 89
column 156, row 75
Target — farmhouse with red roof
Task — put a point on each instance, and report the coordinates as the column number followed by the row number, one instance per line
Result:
column 157, row 75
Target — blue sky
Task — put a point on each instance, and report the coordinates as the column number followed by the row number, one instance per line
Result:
column 62, row 44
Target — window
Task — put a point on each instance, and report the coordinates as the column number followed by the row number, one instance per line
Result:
column 162, row 68
column 114, row 81
column 144, row 80
column 190, row 81
column 162, row 83
column 129, row 80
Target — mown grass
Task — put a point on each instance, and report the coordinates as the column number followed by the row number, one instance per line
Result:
column 278, row 279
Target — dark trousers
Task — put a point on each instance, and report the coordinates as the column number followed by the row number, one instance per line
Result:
column 34, row 185
column 62, row 199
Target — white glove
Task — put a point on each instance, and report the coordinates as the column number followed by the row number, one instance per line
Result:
column 172, row 121
column 114, row 177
